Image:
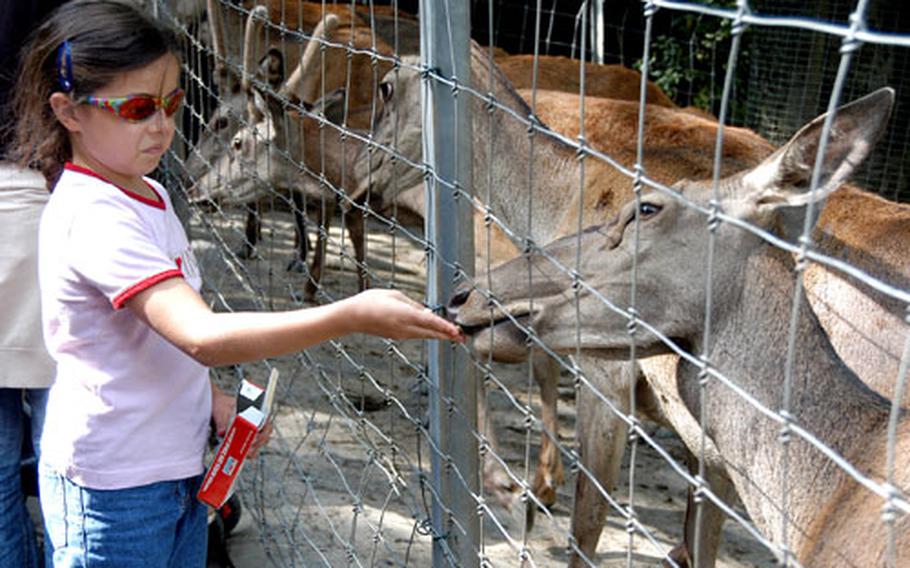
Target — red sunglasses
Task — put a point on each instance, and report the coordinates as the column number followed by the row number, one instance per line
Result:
column 136, row 108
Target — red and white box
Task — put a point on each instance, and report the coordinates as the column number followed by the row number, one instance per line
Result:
column 253, row 406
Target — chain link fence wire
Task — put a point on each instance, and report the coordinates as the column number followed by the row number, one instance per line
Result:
column 361, row 471
column 346, row 480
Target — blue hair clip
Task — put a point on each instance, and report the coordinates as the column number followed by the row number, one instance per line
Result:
column 65, row 66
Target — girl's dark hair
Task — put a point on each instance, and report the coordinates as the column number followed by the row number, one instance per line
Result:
column 106, row 38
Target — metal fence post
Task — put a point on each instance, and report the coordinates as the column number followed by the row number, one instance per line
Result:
column 445, row 49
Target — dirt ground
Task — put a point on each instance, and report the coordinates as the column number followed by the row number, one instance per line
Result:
column 340, row 484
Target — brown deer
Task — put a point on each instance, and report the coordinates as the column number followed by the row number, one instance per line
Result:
column 753, row 289
column 284, row 21
column 556, row 183
column 678, row 145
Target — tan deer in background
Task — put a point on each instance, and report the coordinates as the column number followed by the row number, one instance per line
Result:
column 831, row 520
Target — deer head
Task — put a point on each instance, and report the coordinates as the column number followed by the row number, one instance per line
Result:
column 270, row 143
column 672, row 244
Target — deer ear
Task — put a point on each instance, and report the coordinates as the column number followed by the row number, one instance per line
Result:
column 784, row 178
column 272, row 68
column 256, row 105
column 333, row 105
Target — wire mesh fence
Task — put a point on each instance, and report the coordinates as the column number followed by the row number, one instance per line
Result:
column 326, row 147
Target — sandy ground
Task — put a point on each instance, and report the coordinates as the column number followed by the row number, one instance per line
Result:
column 340, row 483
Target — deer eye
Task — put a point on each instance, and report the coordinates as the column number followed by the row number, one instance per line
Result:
column 221, row 123
column 647, row 210
column 238, row 143
column 385, row 91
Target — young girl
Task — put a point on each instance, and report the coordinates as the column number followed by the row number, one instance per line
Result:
column 132, row 338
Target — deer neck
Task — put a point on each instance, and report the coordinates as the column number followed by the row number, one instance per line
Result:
column 532, row 179
column 749, row 345
column 528, row 178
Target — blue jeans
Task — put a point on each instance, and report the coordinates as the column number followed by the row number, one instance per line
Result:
column 17, row 533
column 160, row 525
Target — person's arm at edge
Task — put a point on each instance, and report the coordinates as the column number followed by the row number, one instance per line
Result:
column 177, row 312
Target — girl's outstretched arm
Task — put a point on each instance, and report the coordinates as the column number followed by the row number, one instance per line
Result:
column 179, row 314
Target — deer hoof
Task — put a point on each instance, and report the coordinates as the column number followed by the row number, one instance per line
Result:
column 545, row 490
column 530, row 515
column 679, row 555
column 309, row 291
column 247, row 252
column 298, row 266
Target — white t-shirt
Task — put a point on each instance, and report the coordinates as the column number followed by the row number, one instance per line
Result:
column 127, row 407
column 24, row 362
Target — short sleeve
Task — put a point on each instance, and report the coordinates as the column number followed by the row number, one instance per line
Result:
column 113, row 248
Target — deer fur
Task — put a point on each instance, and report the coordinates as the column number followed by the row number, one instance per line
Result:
column 272, row 130
column 678, row 145
column 380, row 29
column 556, row 179
column 753, row 292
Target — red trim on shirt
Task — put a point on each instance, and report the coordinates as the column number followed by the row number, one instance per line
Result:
column 85, row 171
column 122, row 297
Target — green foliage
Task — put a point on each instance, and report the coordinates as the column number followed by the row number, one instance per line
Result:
column 688, row 61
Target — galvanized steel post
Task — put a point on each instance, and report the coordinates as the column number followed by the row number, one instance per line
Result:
column 445, row 50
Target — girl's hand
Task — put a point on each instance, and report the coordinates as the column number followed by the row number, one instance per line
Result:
column 389, row 313
column 223, row 407
column 262, row 438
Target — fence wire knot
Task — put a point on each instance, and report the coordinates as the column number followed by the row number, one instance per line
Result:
column 632, row 324
column 650, row 8
column 851, row 44
column 425, row 528
column 427, row 72
column 524, row 555
column 574, row 461
column 704, row 377
column 786, row 428
column 630, row 520
column 576, row 280
column 525, row 494
column 713, row 215
column 490, row 103
column 528, row 420
column 889, row 510
column 582, row 151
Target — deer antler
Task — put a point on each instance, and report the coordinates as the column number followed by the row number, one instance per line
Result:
column 216, row 26
column 254, row 23
column 302, row 83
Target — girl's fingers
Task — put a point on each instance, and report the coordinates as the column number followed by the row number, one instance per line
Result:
column 435, row 327
column 261, row 439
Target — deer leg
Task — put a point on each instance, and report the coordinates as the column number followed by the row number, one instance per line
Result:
column 354, row 223
column 658, row 398
column 252, row 231
column 496, row 481
column 318, row 262
column 549, row 474
column 712, row 520
column 298, row 263
column 602, row 442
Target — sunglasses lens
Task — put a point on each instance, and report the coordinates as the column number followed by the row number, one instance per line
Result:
column 172, row 103
column 138, row 108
